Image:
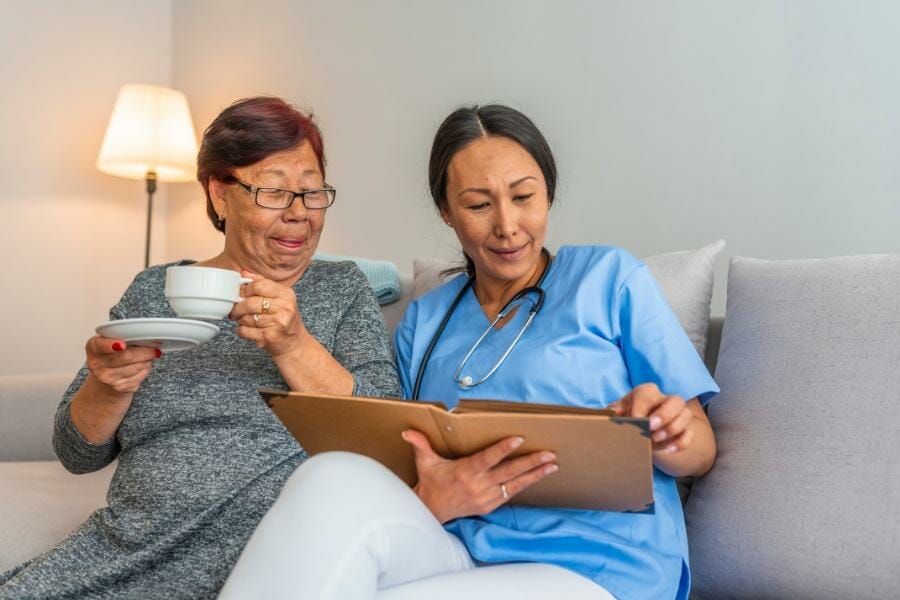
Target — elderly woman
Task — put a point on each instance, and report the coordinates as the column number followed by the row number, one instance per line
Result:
column 602, row 336
column 201, row 458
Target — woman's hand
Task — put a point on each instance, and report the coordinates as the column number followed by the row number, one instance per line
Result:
column 268, row 316
column 683, row 440
column 477, row 484
column 118, row 369
column 116, row 373
column 670, row 418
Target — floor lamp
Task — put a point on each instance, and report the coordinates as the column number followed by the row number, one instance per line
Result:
column 150, row 136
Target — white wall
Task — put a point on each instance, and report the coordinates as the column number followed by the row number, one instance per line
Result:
column 71, row 237
column 772, row 124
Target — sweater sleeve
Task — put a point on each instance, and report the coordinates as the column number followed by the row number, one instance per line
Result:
column 362, row 344
column 74, row 452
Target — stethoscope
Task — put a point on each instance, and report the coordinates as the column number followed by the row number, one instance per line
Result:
column 467, row 382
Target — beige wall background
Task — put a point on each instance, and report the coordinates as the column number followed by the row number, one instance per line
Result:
column 72, row 238
column 772, row 124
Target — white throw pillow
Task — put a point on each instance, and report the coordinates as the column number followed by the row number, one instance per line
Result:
column 686, row 279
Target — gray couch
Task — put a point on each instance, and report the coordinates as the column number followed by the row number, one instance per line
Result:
column 804, row 500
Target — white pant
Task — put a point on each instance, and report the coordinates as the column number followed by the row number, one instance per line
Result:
column 345, row 528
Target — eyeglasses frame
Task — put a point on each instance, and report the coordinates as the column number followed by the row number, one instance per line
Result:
column 254, row 190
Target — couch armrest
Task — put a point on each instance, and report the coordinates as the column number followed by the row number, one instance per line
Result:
column 27, row 406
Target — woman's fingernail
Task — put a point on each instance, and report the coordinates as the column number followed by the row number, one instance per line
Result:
column 403, row 435
column 655, row 422
column 671, row 449
column 158, row 352
column 551, row 469
column 547, row 457
column 659, row 436
column 516, row 442
column 118, row 346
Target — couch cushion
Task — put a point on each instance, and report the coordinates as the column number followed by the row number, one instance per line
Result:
column 393, row 311
column 804, row 499
column 41, row 503
column 686, row 279
column 27, row 406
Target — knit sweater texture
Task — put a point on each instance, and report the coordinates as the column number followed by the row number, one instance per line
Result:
column 201, row 458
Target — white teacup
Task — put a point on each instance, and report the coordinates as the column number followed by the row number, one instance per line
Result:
column 203, row 292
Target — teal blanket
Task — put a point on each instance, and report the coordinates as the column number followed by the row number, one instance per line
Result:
column 383, row 275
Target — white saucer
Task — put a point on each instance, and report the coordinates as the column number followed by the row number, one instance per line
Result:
column 169, row 335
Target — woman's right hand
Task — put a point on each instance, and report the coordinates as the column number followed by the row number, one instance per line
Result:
column 116, row 372
column 477, row 484
column 117, row 368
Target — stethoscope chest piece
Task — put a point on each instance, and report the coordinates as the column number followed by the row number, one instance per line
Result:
column 466, row 382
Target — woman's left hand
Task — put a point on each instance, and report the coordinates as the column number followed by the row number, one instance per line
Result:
column 670, row 417
column 268, row 316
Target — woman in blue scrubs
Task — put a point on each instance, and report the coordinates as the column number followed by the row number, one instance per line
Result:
column 603, row 336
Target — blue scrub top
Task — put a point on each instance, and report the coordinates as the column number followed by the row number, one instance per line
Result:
column 605, row 328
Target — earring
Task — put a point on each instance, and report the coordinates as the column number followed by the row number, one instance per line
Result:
column 221, row 220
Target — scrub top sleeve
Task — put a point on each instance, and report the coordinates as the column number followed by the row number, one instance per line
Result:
column 654, row 345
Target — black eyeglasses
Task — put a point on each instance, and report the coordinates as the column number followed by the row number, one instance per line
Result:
column 278, row 198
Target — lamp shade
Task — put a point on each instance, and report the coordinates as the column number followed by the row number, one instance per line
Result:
column 150, row 130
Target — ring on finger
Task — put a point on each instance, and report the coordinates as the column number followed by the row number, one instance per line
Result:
column 266, row 303
column 256, row 319
column 504, row 491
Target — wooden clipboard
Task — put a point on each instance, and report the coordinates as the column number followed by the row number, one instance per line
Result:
column 605, row 461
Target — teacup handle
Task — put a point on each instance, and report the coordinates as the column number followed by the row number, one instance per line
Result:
column 244, row 281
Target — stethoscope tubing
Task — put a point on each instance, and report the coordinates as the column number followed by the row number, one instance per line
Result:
column 531, row 313
column 450, row 311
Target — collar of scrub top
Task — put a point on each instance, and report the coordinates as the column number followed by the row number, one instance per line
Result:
column 467, row 382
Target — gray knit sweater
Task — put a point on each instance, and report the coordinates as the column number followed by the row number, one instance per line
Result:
column 200, row 456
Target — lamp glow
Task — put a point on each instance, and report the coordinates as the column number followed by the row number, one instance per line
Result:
column 150, row 131
column 150, row 136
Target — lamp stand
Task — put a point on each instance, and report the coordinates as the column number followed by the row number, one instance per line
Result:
column 151, row 187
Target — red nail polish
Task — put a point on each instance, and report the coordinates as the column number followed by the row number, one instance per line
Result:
column 158, row 352
column 118, row 346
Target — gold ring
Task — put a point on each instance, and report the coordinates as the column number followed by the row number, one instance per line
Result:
column 256, row 319
column 265, row 305
column 504, row 491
